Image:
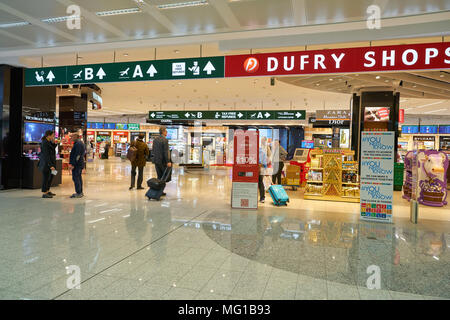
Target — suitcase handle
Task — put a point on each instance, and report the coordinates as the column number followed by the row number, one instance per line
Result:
column 165, row 176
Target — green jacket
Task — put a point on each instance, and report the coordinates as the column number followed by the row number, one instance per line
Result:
column 141, row 155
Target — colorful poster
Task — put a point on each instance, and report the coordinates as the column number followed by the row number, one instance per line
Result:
column 377, row 176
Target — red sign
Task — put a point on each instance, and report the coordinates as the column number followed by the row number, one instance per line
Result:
column 90, row 133
column 401, row 116
column 364, row 59
column 246, row 156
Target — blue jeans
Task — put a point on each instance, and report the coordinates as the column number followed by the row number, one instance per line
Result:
column 76, row 177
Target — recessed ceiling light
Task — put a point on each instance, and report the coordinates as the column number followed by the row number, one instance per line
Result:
column 386, row 80
column 183, row 4
column 117, row 12
column 125, row 54
column 377, row 77
column 442, row 76
column 176, row 51
column 317, row 84
column 414, row 86
column 331, row 79
column 14, row 24
column 60, row 19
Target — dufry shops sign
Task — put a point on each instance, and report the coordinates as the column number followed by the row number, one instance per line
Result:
column 347, row 60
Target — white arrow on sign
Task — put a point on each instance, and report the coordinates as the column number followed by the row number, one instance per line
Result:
column 101, row 74
column 187, row 114
column 50, row 76
column 240, row 115
column 152, row 115
column 298, row 114
column 151, row 71
column 209, row 68
column 267, row 114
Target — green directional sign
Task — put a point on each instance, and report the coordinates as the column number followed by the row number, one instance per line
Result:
column 177, row 69
column 45, row 76
column 228, row 115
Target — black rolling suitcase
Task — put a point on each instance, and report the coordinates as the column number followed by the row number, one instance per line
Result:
column 157, row 186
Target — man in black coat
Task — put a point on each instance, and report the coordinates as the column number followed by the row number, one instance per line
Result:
column 76, row 164
column 47, row 162
column 161, row 153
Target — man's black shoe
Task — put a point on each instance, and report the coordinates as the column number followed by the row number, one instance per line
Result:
column 47, row 196
column 140, row 188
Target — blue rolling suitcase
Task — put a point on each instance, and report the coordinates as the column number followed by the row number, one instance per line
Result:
column 279, row 195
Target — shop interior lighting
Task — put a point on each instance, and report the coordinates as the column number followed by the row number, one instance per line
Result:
column 117, row 12
column 14, row 24
column 182, row 4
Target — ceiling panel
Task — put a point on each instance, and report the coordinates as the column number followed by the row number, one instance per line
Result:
column 89, row 32
column 8, row 18
column 396, row 8
column 195, row 19
column 137, row 25
column 6, row 42
column 38, row 9
column 37, row 35
column 334, row 11
column 270, row 13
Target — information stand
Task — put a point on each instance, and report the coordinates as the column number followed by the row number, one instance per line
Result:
column 377, row 175
column 244, row 193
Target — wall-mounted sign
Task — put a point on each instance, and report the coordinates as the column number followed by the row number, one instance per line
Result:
column 429, row 129
column 444, row 129
column 410, row 129
column 333, row 115
column 133, row 126
column 424, row 138
column 228, row 115
column 401, row 116
column 121, row 126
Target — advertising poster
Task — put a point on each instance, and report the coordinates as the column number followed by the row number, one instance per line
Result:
column 244, row 193
column 377, row 176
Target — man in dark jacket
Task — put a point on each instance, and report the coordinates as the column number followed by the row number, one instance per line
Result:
column 139, row 162
column 76, row 164
column 161, row 155
column 47, row 162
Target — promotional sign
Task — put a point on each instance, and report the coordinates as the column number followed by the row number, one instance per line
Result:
column 177, row 69
column 401, row 116
column 410, row 129
column 376, row 114
column 244, row 193
column 444, row 129
column 333, row 115
column 429, row 129
column 228, row 115
column 133, row 126
column 121, row 126
column 363, row 59
column 377, row 175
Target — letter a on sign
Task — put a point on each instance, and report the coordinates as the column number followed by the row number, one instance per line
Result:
column 374, row 20
column 374, row 281
column 73, row 282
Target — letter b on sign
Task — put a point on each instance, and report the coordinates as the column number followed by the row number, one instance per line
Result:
column 374, row 280
column 74, row 280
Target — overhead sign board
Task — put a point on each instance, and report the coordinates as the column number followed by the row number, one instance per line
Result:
column 426, row 56
column 228, row 115
column 177, row 69
column 328, row 61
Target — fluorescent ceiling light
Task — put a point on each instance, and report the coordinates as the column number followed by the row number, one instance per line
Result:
column 434, row 111
column 60, row 19
column 14, row 24
column 117, row 12
column 183, row 4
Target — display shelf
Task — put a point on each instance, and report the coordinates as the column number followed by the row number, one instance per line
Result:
column 333, row 163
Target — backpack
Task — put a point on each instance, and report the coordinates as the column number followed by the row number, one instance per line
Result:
column 132, row 153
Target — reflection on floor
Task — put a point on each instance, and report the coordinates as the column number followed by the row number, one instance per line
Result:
column 192, row 245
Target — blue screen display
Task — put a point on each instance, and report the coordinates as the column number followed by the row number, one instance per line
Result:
column 35, row 131
column 428, row 129
column 410, row 129
column 172, row 133
column 110, row 126
column 306, row 144
column 444, row 129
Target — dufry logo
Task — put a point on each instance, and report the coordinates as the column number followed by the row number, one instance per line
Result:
column 375, row 193
column 375, row 142
column 251, row 65
column 375, row 167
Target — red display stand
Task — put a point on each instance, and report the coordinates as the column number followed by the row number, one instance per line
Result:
column 303, row 168
column 244, row 193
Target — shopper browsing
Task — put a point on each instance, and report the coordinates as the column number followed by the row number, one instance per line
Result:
column 47, row 162
column 76, row 164
column 279, row 156
column 161, row 156
column 139, row 161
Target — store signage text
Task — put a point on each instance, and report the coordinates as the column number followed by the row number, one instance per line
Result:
column 333, row 115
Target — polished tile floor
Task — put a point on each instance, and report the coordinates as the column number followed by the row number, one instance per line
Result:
column 192, row 245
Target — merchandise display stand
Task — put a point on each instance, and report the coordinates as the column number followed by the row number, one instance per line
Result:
column 332, row 176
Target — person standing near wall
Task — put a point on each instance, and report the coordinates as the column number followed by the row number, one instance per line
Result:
column 76, row 164
column 47, row 162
